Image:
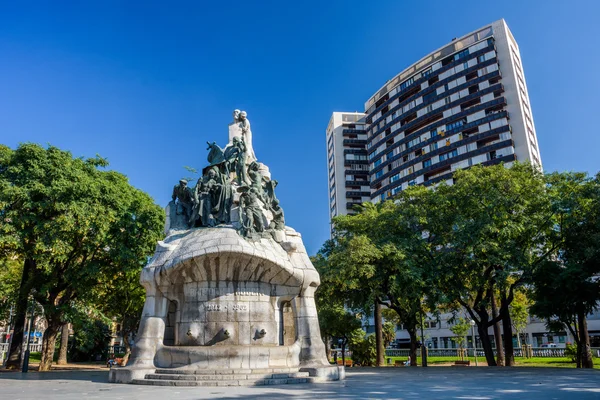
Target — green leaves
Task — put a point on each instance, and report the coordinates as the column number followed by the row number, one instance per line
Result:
column 80, row 224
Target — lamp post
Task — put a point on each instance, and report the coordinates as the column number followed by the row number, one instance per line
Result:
column 27, row 352
column 474, row 342
column 423, row 349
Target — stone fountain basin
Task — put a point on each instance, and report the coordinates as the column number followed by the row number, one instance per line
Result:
column 228, row 357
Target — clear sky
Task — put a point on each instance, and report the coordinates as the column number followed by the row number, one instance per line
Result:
column 147, row 83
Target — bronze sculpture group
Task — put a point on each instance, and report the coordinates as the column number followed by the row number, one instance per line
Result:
column 231, row 171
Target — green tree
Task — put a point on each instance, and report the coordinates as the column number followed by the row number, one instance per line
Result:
column 519, row 313
column 389, row 333
column 566, row 287
column 336, row 322
column 363, row 348
column 378, row 256
column 493, row 225
column 10, row 277
column 121, row 298
column 460, row 330
column 73, row 224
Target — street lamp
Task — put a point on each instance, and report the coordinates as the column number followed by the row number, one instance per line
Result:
column 474, row 343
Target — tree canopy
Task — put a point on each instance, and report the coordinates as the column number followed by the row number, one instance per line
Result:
column 73, row 223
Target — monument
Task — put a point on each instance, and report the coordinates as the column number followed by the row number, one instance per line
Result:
column 230, row 290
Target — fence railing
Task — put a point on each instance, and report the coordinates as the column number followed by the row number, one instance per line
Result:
column 518, row 352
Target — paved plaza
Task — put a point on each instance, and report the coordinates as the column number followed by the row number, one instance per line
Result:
column 361, row 383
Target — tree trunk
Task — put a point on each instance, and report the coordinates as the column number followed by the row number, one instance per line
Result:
column 16, row 342
column 344, row 352
column 64, row 344
column 509, row 351
column 497, row 334
column 484, row 336
column 128, row 347
column 49, row 343
column 379, row 336
column 412, row 332
column 586, row 353
column 486, row 343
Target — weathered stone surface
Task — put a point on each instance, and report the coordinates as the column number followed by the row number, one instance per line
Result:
column 230, row 288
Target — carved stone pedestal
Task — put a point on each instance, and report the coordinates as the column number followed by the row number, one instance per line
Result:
column 217, row 303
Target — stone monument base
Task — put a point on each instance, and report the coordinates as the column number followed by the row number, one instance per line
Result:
column 225, row 377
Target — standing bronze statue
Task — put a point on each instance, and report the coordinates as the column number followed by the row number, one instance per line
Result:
column 278, row 222
column 210, row 203
column 184, row 199
column 251, row 212
column 235, row 160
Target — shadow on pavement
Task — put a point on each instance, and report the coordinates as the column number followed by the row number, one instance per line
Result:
column 99, row 376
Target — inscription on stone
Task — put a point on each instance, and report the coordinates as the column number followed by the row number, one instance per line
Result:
column 247, row 293
column 219, row 307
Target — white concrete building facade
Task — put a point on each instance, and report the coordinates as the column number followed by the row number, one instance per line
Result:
column 347, row 162
column 463, row 104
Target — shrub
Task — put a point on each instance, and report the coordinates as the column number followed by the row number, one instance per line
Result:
column 571, row 352
column 364, row 350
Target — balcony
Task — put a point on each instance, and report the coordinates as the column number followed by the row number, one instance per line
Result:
column 346, row 132
column 360, row 142
column 357, row 183
column 355, row 194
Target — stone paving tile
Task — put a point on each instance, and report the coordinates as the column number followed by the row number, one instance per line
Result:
column 361, row 383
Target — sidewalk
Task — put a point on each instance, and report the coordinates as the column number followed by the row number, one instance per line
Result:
column 361, row 383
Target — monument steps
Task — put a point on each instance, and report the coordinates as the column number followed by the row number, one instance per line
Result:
column 184, row 377
column 200, row 378
column 172, row 371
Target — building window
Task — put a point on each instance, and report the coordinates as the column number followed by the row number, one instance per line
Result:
column 426, row 72
column 378, row 174
column 429, row 97
column 413, row 142
column 427, row 163
column 412, row 183
column 406, row 83
column 394, row 178
column 448, row 155
column 377, row 163
column 461, row 54
column 456, row 124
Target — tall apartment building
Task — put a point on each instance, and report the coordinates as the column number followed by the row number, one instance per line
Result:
column 463, row 104
column 347, row 162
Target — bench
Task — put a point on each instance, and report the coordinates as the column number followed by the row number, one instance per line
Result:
column 348, row 362
column 462, row 363
column 117, row 361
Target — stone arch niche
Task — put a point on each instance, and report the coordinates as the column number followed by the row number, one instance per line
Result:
column 170, row 324
column 231, row 304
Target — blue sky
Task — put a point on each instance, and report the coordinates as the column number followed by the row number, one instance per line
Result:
column 147, row 84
